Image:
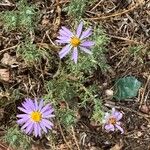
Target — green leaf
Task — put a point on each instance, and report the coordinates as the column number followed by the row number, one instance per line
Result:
column 126, row 87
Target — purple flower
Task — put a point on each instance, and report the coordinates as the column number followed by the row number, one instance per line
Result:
column 112, row 121
column 36, row 117
column 74, row 41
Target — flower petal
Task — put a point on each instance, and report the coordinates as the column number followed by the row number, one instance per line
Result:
column 86, row 33
column 75, row 55
column 67, row 39
column 26, row 124
column 106, row 117
column 85, row 50
column 24, row 110
column 45, row 108
column 43, row 127
column 29, row 103
column 65, row 51
column 79, row 29
column 67, row 31
column 23, row 116
column 118, row 115
column 40, row 104
column 109, row 127
column 119, row 128
column 87, row 44
column 61, row 41
column 47, row 123
column 63, row 33
column 39, row 130
column 48, row 112
column 22, row 121
column 36, row 105
column 29, row 128
column 35, row 129
column 26, row 106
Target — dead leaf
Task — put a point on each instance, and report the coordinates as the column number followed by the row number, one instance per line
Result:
column 145, row 109
column 4, row 74
column 45, row 21
column 8, row 60
column 117, row 146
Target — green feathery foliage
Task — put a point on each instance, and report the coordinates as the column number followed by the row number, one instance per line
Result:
column 29, row 52
column 77, row 8
column 23, row 18
column 16, row 139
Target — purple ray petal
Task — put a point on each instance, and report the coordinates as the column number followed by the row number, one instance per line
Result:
column 62, row 41
column 48, row 116
column 75, row 54
column 67, row 39
column 45, row 108
column 26, row 124
column 43, row 127
column 118, row 115
column 119, row 128
column 65, row 51
column 22, row 121
column 40, row 104
column 47, row 123
column 109, row 127
column 87, row 44
column 24, row 110
column 29, row 103
column 29, row 128
column 27, row 107
column 86, row 33
column 67, row 31
column 39, row 130
column 63, row 33
column 85, row 50
column 47, row 112
column 36, row 105
column 79, row 29
column 35, row 129
column 23, row 116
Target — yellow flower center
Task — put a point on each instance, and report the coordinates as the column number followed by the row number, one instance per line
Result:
column 112, row 120
column 75, row 41
column 36, row 116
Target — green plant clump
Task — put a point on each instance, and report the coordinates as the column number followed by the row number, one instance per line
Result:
column 77, row 8
column 29, row 52
column 16, row 139
column 24, row 18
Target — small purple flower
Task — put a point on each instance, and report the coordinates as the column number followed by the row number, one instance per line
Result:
column 36, row 117
column 74, row 41
column 112, row 121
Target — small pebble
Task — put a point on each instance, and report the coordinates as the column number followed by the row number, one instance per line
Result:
column 109, row 93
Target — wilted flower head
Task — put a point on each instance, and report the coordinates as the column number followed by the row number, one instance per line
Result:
column 36, row 117
column 112, row 121
column 74, row 41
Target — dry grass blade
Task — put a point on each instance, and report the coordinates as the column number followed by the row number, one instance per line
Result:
column 4, row 146
column 116, row 13
column 64, row 136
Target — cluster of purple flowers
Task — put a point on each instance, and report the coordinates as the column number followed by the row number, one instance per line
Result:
column 36, row 116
